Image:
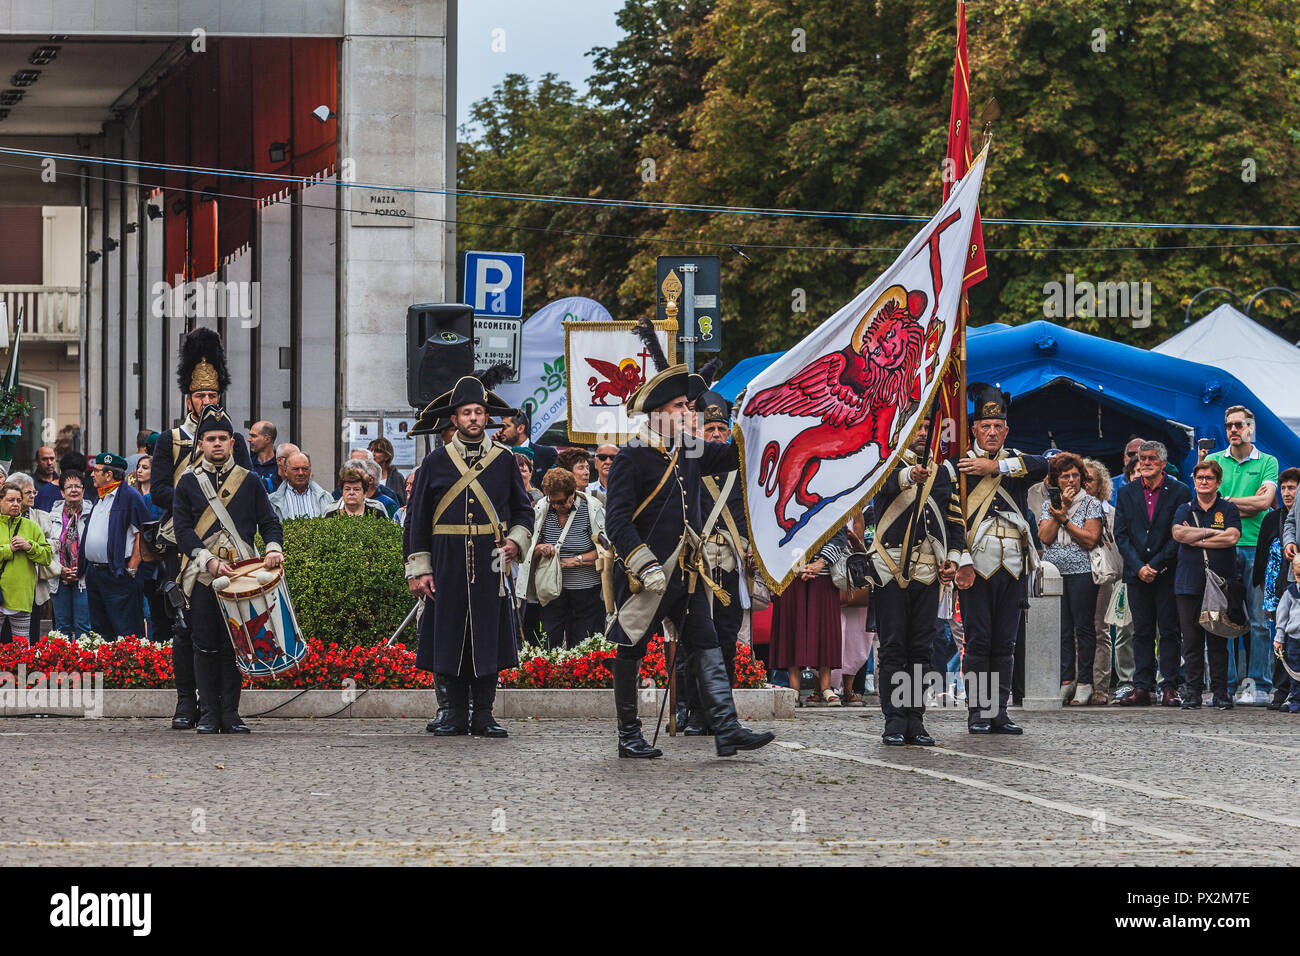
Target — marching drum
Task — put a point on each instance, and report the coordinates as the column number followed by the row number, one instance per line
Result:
column 260, row 618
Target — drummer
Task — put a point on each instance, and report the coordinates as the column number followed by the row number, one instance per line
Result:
column 218, row 509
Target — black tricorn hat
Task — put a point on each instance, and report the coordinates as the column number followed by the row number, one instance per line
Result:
column 214, row 419
column 473, row 389
column 201, row 365
column 987, row 401
column 429, row 425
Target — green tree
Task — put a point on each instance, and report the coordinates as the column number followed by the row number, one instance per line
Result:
column 1124, row 110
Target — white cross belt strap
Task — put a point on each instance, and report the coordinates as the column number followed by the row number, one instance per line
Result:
column 223, row 516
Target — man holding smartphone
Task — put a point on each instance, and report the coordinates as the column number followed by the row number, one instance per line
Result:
column 1144, row 518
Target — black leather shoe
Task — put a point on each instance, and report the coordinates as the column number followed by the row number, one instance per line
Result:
column 1223, row 702
column 892, row 740
column 980, row 727
column 741, row 740
column 1279, row 699
column 695, row 724
column 209, row 728
column 630, row 741
column 183, row 722
column 921, row 740
column 1007, row 726
column 235, row 726
column 488, row 728
column 1191, row 702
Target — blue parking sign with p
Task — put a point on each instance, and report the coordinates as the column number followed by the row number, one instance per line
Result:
column 494, row 283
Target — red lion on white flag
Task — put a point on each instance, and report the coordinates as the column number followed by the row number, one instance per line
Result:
column 865, row 377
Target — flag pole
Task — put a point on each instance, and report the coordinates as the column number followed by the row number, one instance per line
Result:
column 962, row 432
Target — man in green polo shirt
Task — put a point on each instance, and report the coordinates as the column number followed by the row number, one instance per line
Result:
column 1249, row 482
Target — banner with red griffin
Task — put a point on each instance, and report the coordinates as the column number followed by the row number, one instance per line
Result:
column 821, row 427
column 604, row 363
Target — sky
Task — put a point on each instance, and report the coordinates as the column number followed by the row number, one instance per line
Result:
column 540, row 36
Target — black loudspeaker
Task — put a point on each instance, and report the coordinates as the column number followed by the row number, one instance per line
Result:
column 439, row 349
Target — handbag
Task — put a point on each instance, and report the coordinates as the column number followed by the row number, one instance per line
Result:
column 152, row 547
column 1117, row 610
column 1107, row 562
column 1223, row 606
column 851, row 596
column 548, row 575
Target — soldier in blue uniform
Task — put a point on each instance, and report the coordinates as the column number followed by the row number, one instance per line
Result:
column 1002, row 549
column 725, row 542
column 907, row 597
column 209, row 547
column 653, row 517
column 203, row 379
column 468, row 517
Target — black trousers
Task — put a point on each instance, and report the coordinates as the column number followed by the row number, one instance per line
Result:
column 532, row 621
column 1154, row 609
column 573, row 617
column 908, row 622
column 211, row 638
column 1197, row 644
column 160, row 620
column 992, row 611
column 1078, row 627
column 690, row 612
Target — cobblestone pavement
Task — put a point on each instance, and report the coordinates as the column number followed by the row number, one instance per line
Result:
column 1091, row 787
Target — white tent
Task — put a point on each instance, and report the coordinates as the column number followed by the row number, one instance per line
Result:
column 1265, row 363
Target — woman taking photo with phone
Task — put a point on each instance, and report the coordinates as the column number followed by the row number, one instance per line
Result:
column 1069, row 529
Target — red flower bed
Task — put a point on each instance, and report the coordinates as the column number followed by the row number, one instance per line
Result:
column 589, row 671
column 127, row 663
column 133, row 663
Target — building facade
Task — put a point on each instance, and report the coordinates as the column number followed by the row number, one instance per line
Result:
column 197, row 162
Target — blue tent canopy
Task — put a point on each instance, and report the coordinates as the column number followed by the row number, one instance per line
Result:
column 1090, row 395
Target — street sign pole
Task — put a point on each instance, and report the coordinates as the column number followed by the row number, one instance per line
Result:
column 688, row 271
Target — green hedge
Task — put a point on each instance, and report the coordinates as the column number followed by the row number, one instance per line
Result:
column 347, row 579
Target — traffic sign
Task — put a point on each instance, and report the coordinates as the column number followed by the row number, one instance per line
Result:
column 494, row 283
column 497, row 340
column 708, row 299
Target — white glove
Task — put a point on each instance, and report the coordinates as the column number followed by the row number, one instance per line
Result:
column 653, row 580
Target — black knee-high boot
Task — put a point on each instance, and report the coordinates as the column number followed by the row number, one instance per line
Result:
column 232, row 682
column 187, row 698
column 630, row 741
column 207, row 678
column 719, row 706
column 439, row 688
column 484, row 690
column 456, row 721
column 695, row 722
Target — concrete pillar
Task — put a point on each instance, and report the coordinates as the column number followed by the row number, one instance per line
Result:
column 1043, row 644
column 396, row 122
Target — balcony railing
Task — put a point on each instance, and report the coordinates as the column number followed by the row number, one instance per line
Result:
column 50, row 312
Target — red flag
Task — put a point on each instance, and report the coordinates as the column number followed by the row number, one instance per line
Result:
column 959, row 155
column 950, row 439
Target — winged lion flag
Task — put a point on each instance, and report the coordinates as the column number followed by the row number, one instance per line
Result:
column 821, row 427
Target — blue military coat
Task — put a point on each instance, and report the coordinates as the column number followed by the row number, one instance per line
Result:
column 468, row 606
